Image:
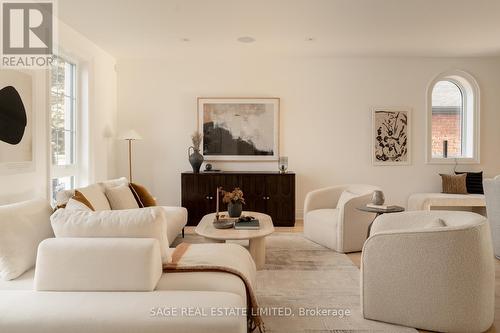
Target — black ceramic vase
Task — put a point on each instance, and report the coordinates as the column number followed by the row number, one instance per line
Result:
column 195, row 158
column 234, row 209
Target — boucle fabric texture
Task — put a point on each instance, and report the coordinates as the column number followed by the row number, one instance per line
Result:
column 436, row 279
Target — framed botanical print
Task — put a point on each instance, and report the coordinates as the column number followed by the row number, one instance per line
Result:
column 391, row 136
column 239, row 129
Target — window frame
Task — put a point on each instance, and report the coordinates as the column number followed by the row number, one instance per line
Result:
column 469, row 88
column 69, row 170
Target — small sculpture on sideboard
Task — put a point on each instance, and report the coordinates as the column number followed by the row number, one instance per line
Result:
column 283, row 164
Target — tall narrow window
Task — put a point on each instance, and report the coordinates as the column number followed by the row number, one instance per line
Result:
column 447, row 119
column 63, row 126
column 453, row 119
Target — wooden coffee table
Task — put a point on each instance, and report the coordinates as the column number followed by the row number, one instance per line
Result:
column 256, row 238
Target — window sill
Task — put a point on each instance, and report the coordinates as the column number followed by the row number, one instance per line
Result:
column 453, row 160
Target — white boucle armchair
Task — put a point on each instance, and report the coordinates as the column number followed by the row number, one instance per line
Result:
column 331, row 217
column 432, row 270
column 492, row 194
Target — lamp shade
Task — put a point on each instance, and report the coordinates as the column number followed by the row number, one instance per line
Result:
column 130, row 135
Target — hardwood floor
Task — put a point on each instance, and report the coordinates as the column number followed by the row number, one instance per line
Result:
column 356, row 259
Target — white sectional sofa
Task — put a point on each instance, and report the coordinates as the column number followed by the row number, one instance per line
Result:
column 27, row 311
column 176, row 216
column 104, row 285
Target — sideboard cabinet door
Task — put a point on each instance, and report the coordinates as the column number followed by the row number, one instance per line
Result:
column 281, row 199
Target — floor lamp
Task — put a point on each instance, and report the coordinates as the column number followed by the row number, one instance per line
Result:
column 130, row 136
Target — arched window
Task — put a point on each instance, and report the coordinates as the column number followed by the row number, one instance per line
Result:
column 453, row 119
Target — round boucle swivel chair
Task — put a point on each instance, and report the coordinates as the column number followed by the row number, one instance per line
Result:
column 432, row 270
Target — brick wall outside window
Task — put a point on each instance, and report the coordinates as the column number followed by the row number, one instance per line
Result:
column 446, row 127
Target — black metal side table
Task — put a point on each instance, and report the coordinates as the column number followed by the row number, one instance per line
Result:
column 379, row 211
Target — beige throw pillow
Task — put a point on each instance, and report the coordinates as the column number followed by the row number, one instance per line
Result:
column 121, row 197
column 95, row 195
column 454, row 184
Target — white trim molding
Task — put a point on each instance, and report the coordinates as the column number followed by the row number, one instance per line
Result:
column 471, row 101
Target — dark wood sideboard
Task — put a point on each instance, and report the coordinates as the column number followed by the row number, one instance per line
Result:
column 271, row 193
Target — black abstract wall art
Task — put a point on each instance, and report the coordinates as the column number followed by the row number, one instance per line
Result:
column 17, row 97
column 13, row 118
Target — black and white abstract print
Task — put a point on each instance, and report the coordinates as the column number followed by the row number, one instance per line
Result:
column 239, row 129
column 391, row 137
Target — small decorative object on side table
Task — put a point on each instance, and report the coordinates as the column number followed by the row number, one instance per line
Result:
column 379, row 210
column 378, row 198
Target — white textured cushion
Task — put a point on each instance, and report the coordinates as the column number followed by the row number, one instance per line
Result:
column 95, row 195
column 121, row 197
column 418, row 220
column 133, row 223
column 63, row 196
column 73, row 204
column 344, row 197
column 22, row 227
column 113, row 183
column 98, row 264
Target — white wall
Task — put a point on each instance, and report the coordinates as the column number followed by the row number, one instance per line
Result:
column 99, row 71
column 325, row 116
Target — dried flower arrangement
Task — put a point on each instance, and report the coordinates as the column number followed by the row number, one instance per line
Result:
column 196, row 139
column 236, row 196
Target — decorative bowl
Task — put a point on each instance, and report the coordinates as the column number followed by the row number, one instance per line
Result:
column 223, row 224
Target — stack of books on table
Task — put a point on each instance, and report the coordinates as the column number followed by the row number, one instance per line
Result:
column 383, row 207
column 250, row 225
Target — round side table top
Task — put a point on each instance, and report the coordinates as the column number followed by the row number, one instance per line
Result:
column 206, row 228
column 393, row 209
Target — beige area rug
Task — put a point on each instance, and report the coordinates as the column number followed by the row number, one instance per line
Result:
column 303, row 276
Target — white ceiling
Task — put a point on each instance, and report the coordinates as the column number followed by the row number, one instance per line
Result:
column 155, row 28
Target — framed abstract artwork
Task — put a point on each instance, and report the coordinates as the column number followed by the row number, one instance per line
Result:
column 239, row 129
column 391, row 136
column 16, row 120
